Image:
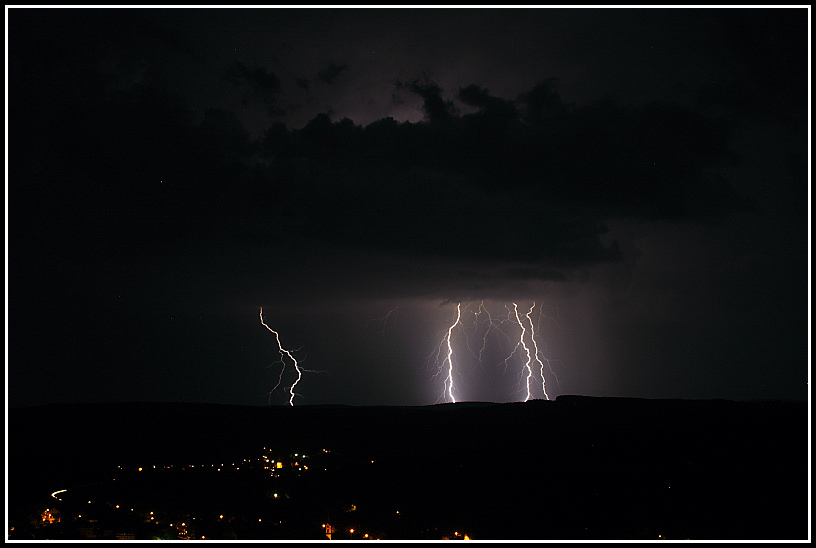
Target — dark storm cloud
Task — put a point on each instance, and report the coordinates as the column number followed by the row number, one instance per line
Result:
column 529, row 184
column 436, row 108
column 397, row 99
column 541, row 102
column 257, row 78
column 261, row 85
column 497, row 107
column 532, row 273
column 331, row 72
column 303, row 83
column 140, row 176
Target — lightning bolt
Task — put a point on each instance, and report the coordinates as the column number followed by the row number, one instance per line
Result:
column 476, row 320
column 535, row 345
column 492, row 325
column 487, row 332
column 447, row 362
column 384, row 320
column 283, row 352
column 526, row 349
column 449, row 359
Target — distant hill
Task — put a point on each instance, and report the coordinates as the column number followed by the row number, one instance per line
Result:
column 576, row 467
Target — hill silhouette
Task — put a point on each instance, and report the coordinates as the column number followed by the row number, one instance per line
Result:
column 574, row 468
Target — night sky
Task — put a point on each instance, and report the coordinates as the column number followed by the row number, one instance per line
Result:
column 641, row 175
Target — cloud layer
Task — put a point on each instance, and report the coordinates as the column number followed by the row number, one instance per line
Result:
column 525, row 182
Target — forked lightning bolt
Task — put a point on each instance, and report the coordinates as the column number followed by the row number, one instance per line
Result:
column 385, row 319
column 527, row 350
column 492, row 325
column 537, row 353
column 525, row 343
column 283, row 352
column 450, row 353
column 447, row 362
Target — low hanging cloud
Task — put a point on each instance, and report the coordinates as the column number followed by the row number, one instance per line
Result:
column 258, row 84
column 480, row 98
column 531, row 180
column 522, row 187
column 331, row 72
column 437, row 110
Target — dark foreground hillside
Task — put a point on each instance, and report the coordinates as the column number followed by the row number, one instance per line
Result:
column 574, row 468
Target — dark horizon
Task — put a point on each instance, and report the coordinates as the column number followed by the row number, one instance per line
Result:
column 407, row 194
column 576, row 468
column 464, row 403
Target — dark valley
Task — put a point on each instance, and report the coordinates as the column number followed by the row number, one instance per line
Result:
column 573, row 468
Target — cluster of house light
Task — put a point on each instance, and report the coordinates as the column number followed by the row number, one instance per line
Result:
column 296, row 461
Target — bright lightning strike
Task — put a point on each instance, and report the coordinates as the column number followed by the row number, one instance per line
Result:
column 524, row 341
column 291, row 357
column 450, row 354
column 537, row 353
column 527, row 350
column 447, row 362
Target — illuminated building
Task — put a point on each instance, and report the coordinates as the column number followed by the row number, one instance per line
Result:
column 50, row 515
